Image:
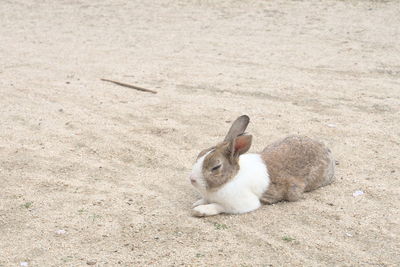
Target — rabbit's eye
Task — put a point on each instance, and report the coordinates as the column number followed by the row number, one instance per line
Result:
column 216, row 167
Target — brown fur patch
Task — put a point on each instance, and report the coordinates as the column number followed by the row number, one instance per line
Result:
column 203, row 152
column 228, row 170
column 295, row 165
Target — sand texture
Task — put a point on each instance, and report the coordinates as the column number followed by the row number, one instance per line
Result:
column 92, row 173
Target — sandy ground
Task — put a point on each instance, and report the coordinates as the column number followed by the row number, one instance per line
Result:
column 94, row 173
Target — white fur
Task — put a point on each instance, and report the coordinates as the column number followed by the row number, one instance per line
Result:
column 197, row 174
column 241, row 194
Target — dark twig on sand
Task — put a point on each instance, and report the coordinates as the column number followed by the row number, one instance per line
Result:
column 131, row 86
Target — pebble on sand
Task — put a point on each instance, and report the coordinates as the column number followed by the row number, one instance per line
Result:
column 358, row 193
column 61, row 232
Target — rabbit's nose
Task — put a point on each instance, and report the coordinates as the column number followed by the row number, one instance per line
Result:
column 192, row 179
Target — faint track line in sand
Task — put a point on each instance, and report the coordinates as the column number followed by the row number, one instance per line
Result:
column 372, row 73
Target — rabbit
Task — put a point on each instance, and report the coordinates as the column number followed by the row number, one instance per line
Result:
column 231, row 181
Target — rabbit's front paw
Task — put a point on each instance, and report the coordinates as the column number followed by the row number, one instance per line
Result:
column 199, row 202
column 207, row 210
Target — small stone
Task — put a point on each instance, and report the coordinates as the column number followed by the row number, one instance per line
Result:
column 24, row 263
column 331, row 125
column 349, row 235
column 61, row 232
column 91, row 262
column 358, row 193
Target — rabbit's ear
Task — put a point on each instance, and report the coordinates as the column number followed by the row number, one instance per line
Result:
column 238, row 127
column 240, row 145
